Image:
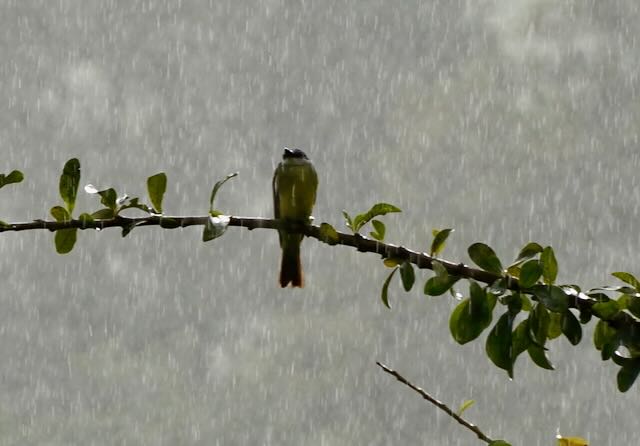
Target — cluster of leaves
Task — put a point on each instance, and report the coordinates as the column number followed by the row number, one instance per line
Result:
column 535, row 309
column 65, row 239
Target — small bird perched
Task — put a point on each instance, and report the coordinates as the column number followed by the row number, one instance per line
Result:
column 294, row 193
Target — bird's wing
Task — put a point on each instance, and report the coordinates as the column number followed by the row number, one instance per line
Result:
column 274, row 187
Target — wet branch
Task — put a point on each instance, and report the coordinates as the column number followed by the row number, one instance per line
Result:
column 440, row 405
column 361, row 243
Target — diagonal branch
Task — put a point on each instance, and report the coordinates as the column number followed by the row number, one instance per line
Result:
column 440, row 405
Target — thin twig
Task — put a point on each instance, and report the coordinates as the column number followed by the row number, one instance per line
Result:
column 435, row 402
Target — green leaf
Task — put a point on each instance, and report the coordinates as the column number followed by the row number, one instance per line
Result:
column 380, row 230
column 215, row 227
column 529, row 251
column 633, row 305
column 555, row 325
column 605, row 339
column 483, row 256
column 606, row 310
column 499, row 443
column 217, row 187
column 385, row 289
column 328, row 234
column 571, row 328
column 156, row 187
column 553, row 297
column 464, row 406
column 438, row 285
column 439, row 239
column 407, row 275
column 530, row 273
column 103, row 214
column 471, row 316
column 628, row 374
column 4, row 224
column 376, row 209
column 628, row 278
column 520, row 339
column 69, row 181
column 108, row 198
column 498, row 345
column 549, row 265
column 60, row 213
column 539, row 357
column 65, row 239
column 348, row 220
column 15, row 176
column 85, row 219
column 539, row 323
column 135, row 204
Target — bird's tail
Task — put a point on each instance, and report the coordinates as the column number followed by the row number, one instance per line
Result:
column 291, row 268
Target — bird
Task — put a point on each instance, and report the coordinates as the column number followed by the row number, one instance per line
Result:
column 295, row 183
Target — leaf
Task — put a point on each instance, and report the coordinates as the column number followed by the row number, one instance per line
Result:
column 628, row 278
column 135, row 204
column 633, row 305
column 65, row 239
column 156, row 187
column 499, row 443
column 85, row 218
column 127, row 228
column 385, row 289
column 217, row 187
column 553, row 297
column 571, row 328
column 554, row 329
column 530, row 273
column 549, row 265
column 605, row 339
column 498, row 345
column 108, row 198
column 380, row 230
column 539, row 323
column 471, row 316
column 483, row 256
column 60, row 213
column 628, row 374
column 439, row 239
column 15, row 176
column 103, row 214
column 69, row 181
column 376, row 209
column 539, row 357
column 348, row 220
column 464, row 406
column 606, row 310
column 392, row 262
column 529, row 251
column 215, row 227
column 328, row 234
column 438, row 285
column 520, row 339
column 571, row 441
column 407, row 275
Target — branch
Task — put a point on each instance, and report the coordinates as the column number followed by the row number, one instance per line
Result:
column 472, row 427
column 361, row 243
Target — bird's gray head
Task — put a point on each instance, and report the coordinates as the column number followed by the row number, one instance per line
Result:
column 294, row 153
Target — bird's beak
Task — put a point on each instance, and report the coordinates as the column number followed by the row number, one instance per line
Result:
column 288, row 152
